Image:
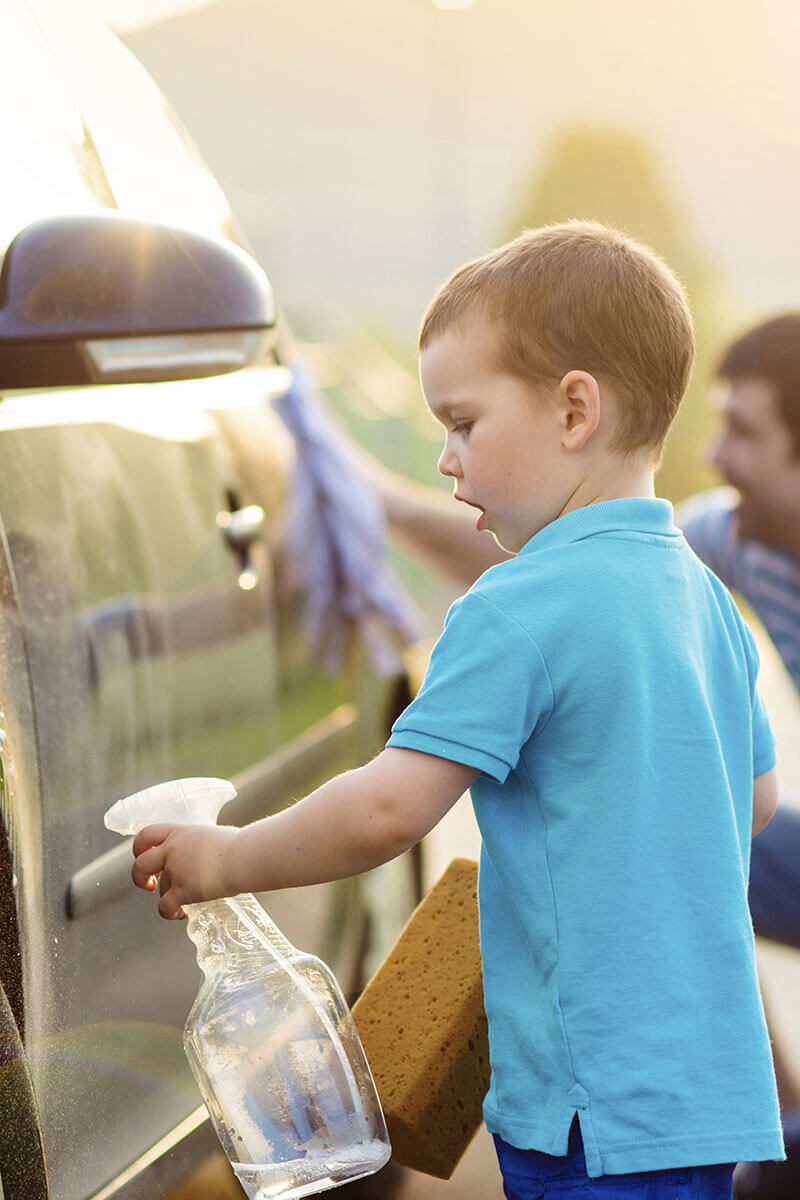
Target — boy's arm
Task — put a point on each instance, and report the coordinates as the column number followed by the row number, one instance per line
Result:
column 352, row 823
column 765, row 799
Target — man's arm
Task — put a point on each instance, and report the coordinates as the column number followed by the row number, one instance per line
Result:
column 765, row 799
column 352, row 823
column 437, row 528
column 431, row 524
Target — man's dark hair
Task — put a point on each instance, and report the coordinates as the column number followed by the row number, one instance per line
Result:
column 771, row 353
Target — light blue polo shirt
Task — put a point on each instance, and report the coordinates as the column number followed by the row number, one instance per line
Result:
column 604, row 684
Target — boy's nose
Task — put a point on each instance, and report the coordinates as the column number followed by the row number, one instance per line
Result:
column 448, row 463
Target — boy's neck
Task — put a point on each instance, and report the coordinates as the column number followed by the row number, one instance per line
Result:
column 618, row 478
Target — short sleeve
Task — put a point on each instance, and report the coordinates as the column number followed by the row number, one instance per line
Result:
column 485, row 692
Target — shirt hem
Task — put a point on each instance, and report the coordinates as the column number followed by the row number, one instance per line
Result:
column 657, row 1154
column 674, row 1153
column 765, row 762
column 412, row 739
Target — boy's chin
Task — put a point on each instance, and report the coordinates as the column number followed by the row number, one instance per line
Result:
column 506, row 543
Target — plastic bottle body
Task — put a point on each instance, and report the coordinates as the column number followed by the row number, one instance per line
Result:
column 277, row 1058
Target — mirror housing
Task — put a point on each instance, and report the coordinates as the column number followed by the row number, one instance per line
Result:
column 101, row 298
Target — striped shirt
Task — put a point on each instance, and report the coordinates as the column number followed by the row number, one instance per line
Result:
column 767, row 578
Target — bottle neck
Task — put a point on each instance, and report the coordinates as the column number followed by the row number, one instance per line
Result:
column 235, row 926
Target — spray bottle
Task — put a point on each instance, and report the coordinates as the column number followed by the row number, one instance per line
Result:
column 270, row 1039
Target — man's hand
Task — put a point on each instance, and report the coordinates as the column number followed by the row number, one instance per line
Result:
column 186, row 863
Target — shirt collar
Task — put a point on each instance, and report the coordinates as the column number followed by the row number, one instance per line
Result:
column 633, row 513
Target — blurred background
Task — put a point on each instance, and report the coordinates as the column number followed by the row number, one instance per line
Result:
column 368, row 147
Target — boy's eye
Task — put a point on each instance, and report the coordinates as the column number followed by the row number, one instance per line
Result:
column 463, row 426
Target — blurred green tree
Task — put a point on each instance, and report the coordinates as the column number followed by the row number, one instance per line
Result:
column 610, row 175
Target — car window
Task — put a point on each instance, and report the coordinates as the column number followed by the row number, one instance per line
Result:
column 153, row 169
column 48, row 163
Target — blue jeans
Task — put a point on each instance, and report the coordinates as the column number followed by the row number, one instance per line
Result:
column 529, row 1175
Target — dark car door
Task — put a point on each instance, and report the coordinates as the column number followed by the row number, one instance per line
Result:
column 146, row 659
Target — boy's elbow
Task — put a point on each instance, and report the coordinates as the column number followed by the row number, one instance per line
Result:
column 381, row 825
column 394, row 826
column 405, row 793
column 765, row 799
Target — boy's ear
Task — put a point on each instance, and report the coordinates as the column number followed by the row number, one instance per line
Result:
column 580, row 407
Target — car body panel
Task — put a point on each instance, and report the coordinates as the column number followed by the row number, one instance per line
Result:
column 103, row 601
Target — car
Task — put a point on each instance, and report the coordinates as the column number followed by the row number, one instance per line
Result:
column 153, row 623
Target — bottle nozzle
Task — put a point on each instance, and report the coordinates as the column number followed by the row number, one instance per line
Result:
column 184, row 801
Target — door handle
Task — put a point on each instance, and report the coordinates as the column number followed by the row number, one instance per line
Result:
column 241, row 527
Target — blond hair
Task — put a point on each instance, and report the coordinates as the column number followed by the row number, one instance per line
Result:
column 581, row 296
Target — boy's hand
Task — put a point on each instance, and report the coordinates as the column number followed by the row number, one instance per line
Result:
column 186, row 863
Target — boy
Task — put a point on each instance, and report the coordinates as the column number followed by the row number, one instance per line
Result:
column 597, row 693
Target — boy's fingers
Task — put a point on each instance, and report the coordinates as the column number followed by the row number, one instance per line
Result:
column 147, row 864
column 169, row 909
column 149, row 835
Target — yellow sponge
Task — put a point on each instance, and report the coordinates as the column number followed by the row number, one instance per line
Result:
column 422, row 1022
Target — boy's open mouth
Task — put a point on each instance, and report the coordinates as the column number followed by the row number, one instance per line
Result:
column 481, row 518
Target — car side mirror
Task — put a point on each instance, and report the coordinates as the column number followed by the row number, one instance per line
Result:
column 101, row 298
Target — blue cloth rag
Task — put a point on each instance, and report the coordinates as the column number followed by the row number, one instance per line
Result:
column 337, row 540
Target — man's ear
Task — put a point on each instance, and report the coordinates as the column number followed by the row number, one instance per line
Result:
column 580, row 408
